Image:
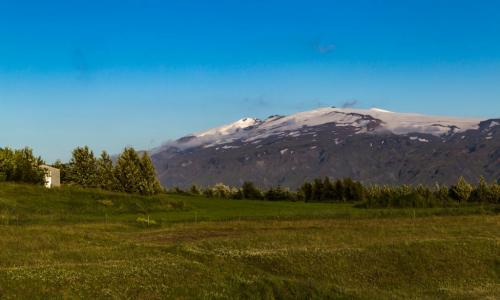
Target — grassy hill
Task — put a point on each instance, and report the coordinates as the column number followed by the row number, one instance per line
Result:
column 75, row 243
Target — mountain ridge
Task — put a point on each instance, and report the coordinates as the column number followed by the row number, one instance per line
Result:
column 340, row 139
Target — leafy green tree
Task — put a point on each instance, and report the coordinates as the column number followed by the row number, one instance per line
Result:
column 83, row 167
column 441, row 193
column 105, row 172
column 221, row 190
column 208, row 192
column 485, row 192
column 21, row 166
column 461, row 191
column 27, row 167
column 7, row 164
column 236, row 193
column 149, row 182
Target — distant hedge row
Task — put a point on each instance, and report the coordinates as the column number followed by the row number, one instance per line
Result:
column 370, row 196
column 439, row 195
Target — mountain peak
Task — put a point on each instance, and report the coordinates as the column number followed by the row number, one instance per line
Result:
column 230, row 128
column 380, row 110
column 374, row 120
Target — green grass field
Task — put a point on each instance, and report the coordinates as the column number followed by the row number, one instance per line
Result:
column 74, row 243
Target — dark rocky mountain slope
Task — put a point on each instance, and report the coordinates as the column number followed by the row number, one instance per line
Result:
column 374, row 146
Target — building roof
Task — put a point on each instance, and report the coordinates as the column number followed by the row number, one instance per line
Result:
column 49, row 168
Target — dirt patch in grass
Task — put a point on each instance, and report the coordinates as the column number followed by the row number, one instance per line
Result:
column 187, row 235
column 214, row 230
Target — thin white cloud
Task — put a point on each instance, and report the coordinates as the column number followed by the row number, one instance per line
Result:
column 325, row 48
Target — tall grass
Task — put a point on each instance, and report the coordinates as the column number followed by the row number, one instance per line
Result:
column 75, row 243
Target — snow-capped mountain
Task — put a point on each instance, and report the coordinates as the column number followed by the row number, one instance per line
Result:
column 286, row 149
column 373, row 120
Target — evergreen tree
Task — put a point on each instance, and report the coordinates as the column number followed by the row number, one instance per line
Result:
column 317, row 189
column 128, row 172
column 483, row 192
column 249, row 191
column 236, row 193
column 349, row 192
column 306, row 191
column 194, row 190
column 83, row 167
column 278, row 194
column 328, row 193
column 105, row 172
column 358, row 192
column 495, row 192
column 149, row 182
column 339, row 190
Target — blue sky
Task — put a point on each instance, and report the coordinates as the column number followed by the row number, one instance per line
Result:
column 114, row 73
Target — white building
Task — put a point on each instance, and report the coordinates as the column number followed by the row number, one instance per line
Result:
column 52, row 176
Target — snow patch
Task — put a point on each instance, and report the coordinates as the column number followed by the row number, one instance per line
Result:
column 187, row 163
column 416, row 138
column 229, row 129
column 380, row 110
column 230, row 147
column 362, row 120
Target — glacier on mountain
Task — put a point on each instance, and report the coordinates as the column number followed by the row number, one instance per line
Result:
column 252, row 129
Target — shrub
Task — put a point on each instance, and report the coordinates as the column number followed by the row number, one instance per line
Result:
column 194, row 190
column 221, row 190
column 461, row 191
column 249, row 191
column 278, row 194
column 146, row 221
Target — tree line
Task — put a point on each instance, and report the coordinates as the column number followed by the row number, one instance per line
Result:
column 319, row 190
column 131, row 173
column 369, row 196
column 134, row 173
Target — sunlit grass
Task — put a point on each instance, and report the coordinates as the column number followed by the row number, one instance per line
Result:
column 207, row 248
